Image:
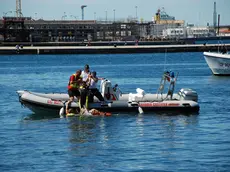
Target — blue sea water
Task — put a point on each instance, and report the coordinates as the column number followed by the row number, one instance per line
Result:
column 218, row 41
column 125, row 141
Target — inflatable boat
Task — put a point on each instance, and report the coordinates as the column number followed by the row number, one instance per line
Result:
column 164, row 99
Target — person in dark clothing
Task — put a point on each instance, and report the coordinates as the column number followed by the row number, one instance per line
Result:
column 224, row 50
column 84, row 92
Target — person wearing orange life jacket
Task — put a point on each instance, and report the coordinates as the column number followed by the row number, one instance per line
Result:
column 73, row 86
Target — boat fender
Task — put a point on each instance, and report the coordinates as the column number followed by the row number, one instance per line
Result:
column 136, row 104
column 62, row 112
column 140, row 110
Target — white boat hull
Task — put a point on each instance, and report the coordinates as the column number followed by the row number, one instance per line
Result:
column 218, row 63
column 50, row 104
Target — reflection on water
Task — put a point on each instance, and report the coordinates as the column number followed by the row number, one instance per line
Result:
column 87, row 130
column 87, row 135
column 80, row 129
column 34, row 116
column 212, row 79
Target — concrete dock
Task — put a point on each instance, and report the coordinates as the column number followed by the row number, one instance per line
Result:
column 110, row 49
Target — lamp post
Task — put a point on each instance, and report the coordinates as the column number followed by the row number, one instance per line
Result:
column 114, row 26
column 106, row 16
column 114, row 11
column 35, row 16
column 136, row 12
column 94, row 15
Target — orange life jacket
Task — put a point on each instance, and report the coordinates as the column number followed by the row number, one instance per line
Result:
column 73, row 85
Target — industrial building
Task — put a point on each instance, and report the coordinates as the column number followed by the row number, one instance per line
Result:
column 30, row 30
column 26, row 29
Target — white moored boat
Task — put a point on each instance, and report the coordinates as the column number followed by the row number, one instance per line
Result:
column 218, row 62
column 51, row 103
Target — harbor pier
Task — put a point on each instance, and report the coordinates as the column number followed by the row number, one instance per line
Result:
column 113, row 49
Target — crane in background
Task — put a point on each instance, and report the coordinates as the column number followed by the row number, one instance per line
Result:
column 18, row 8
column 82, row 11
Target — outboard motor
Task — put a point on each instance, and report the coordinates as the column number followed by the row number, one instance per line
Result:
column 188, row 94
column 108, row 92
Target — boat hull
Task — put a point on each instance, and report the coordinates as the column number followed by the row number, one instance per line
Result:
column 218, row 63
column 45, row 104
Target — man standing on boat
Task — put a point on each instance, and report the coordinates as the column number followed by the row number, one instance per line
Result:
column 85, row 72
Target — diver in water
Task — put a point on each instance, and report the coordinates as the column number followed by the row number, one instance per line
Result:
column 84, row 112
column 71, row 111
column 94, row 112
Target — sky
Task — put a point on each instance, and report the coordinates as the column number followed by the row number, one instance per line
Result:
column 197, row 12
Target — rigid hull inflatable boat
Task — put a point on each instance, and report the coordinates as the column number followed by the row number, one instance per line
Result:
column 51, row 103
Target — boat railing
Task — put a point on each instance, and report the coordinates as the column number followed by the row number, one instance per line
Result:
column 221, row 47
column 167, row 77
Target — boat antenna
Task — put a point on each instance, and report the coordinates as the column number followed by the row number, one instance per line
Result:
column 165, row 59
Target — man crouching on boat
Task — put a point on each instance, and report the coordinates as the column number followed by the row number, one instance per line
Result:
column 75, row 81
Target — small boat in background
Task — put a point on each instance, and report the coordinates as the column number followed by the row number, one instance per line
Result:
column 218, row 62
